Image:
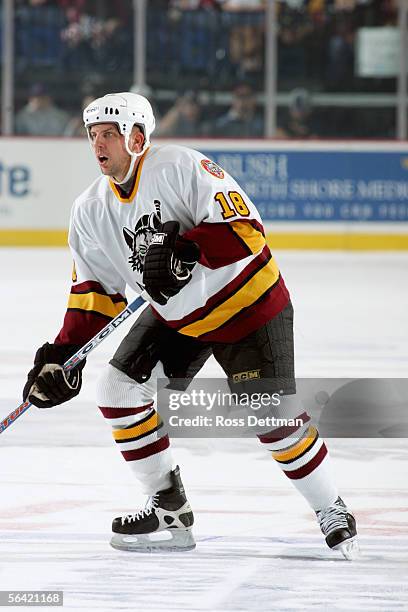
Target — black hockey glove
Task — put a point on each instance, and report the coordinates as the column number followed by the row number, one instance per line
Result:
column 47, row 384
column 168, row 262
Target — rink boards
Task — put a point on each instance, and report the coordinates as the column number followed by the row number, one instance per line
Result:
column 311, row 195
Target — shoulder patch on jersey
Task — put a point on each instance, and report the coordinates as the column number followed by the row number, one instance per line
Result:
column 212, row 168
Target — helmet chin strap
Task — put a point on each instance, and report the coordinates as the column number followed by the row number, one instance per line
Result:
column 133, row 160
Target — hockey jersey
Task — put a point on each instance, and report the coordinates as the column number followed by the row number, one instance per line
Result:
column 236, row 285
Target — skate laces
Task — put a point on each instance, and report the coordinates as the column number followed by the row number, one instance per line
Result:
column 333, row 517
column 151, row 504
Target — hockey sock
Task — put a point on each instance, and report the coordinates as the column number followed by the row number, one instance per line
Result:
column 136, row 431
column 136, row 427
column 302, row 455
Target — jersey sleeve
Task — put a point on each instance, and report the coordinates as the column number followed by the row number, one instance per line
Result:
column 97, row 293
column 227, row 224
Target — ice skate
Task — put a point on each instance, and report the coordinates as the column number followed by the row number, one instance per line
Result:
column 338, row 525
column 164, row 525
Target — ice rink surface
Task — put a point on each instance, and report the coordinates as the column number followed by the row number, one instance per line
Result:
column 258, row 544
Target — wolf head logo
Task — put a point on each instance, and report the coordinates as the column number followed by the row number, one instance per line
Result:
column 138, row 240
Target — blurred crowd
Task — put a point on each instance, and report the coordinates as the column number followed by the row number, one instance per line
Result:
column 70, row 51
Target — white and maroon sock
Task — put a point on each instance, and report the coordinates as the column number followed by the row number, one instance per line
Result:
column 302, row 455
column 137, row 433
column 136, row 427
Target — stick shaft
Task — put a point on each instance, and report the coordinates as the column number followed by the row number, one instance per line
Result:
column 80, row 355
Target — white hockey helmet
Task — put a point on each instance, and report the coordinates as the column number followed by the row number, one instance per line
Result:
column 126, row 109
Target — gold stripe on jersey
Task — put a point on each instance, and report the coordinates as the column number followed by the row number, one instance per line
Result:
column 243, row 298
column 96, row 303
column 253, row 238
column 297, row 449
column 132, row 194
column 133, row 432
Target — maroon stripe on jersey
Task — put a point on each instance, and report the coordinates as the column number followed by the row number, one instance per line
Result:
column 258, row 226
column 95, row 287
column 117, row 413
column 251, row 318
column 309, row 467
column 244, row 247
column 280, row 433
column 209, row 237
column 232, row 287
column 80, row 326
column 148, row 450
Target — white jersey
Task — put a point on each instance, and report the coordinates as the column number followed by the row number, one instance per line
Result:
column 235, row 286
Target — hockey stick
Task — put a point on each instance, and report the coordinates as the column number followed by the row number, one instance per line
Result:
column 81, row 354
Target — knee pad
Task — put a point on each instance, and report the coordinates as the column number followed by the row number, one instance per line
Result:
column 115, row 389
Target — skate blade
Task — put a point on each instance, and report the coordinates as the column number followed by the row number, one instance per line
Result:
column 349, row 549
column 179, row 540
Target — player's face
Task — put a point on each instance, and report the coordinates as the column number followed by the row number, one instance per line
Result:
column 109, row 148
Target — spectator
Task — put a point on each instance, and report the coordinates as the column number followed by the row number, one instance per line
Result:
column 300, row 121
column 77, row 6
column 246, row 37
column 95, row 42
column 295, row 27
column 189, row 5
column 340, row 55
column 243, row 5
column 183, row 119
column 75, row 126
column 111, row 41
column 77, row 39
column 40, row 116
column 242, row 120
column 39, row 2
column 246, row 50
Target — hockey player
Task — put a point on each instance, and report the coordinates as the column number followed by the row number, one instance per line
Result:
column 167, row 220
